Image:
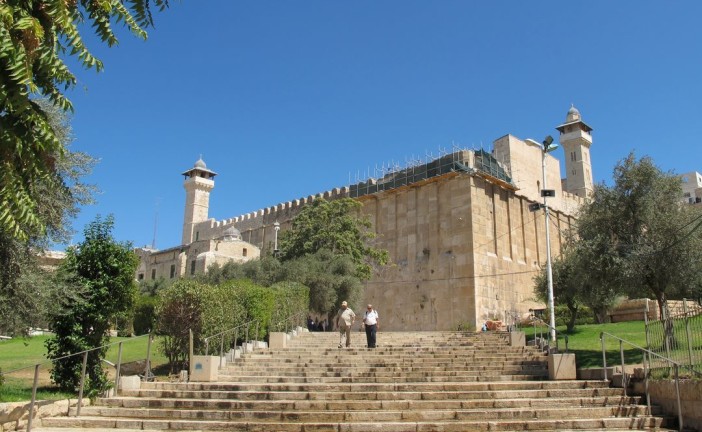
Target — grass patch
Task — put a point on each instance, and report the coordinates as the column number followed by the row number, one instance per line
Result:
column 25, row 353
column 585, row 342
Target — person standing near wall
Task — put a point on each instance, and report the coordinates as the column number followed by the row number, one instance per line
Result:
column 344, row 321
column 370, row 321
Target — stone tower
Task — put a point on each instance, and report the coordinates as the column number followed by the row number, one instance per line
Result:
column 576, row 140
column 199, row 181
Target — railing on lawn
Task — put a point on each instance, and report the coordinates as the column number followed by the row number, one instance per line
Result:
column 117, row 366
column 543, row 341
column 647, row 365
column 677, row 335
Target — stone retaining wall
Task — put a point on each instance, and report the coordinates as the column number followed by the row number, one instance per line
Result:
column 14, row 415
column 663, row 394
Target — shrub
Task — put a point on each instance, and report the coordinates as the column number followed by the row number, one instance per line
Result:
column 145, row 319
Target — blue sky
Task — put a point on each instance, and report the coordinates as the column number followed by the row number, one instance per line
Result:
column 289, row 98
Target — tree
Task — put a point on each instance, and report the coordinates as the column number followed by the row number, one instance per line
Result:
column 27, row 292
column 641, row 237
column 179, row 311
column 105, row 270
column 338, row 227
column 567, row 287
column 33, row 37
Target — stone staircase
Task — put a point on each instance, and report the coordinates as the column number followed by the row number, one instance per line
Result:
column 413, row 381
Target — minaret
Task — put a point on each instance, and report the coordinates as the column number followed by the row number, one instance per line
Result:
column 198, row 184
column 576, row 140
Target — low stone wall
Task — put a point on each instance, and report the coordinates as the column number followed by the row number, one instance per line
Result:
column 14, row 415
column 663, row 394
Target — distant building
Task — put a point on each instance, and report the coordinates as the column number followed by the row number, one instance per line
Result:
column 464, row 246
column 50, row 260
column 692, row 187
column 197, row 251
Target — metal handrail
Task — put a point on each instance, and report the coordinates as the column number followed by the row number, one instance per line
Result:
column 556, row 332
column 236, row 336
column 286, row 321
column 83, row 371
column 647, row 356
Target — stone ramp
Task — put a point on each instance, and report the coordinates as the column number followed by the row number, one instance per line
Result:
column 413, row 381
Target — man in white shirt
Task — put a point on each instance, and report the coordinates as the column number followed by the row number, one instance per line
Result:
column 370, row 321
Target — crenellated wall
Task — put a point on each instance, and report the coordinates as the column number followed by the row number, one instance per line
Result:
column 463, row 245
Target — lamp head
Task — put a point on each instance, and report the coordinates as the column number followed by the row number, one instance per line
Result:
column 549, row 145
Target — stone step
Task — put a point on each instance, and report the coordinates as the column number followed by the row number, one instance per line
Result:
column 415, row 381
column 385, row 415
column 607, row 423
column 374, row 405
column 485, row 377
column 495, row 387
column 271, row 394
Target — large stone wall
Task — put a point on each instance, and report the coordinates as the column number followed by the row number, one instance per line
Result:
column 462, row 249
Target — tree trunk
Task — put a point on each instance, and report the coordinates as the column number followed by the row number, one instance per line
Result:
column 573, row 316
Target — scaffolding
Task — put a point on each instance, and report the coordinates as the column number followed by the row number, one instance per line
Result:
column 392, row 175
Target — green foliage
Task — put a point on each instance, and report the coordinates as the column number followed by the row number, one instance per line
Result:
column 34, row 38
column 264, row 271
column 336, row 226
column 637, row 238
column 27, row 292
column 179, row 311
column 330, row 278
column 211, row 311
column 152, row 287
column 584, row 315
column 105, row 270
column 291, row 298
column 145, row 319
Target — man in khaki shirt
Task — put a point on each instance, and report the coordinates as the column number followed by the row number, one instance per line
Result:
column 344, row 320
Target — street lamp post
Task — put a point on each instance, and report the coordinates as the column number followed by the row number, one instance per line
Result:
column 548, row 146
column 276, row 227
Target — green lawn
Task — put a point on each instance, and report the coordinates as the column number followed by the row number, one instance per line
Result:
column 25, row 353
column 585, row 342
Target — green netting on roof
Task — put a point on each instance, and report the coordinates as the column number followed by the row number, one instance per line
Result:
column 487, row 163
column 392, row 180
column 457, row 161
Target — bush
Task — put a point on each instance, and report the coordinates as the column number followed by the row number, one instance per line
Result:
column 179, row 311
column 584, row 316
column 290, row 298
column 145, row 319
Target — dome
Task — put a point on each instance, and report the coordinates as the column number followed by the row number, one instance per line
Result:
column 200, row 164
column 573, row 114
column 231, row 234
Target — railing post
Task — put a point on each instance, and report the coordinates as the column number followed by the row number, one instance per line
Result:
column 147, row 369
column 190, row 354
column 221, row 350
column 207, row 346
column 34, row 397
column 621, row 353
column 236, row 337
column 687, row 332
column 247, row 334
column 82, row 383
column 677, row 395
column 604, row 356
column 255, row 338
column 647, row 356
column 119, row 368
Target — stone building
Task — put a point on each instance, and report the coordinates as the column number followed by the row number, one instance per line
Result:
column 463, row 244
column 692, row 187
column 197, row 252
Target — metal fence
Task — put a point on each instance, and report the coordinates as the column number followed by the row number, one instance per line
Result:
column 677, row 335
